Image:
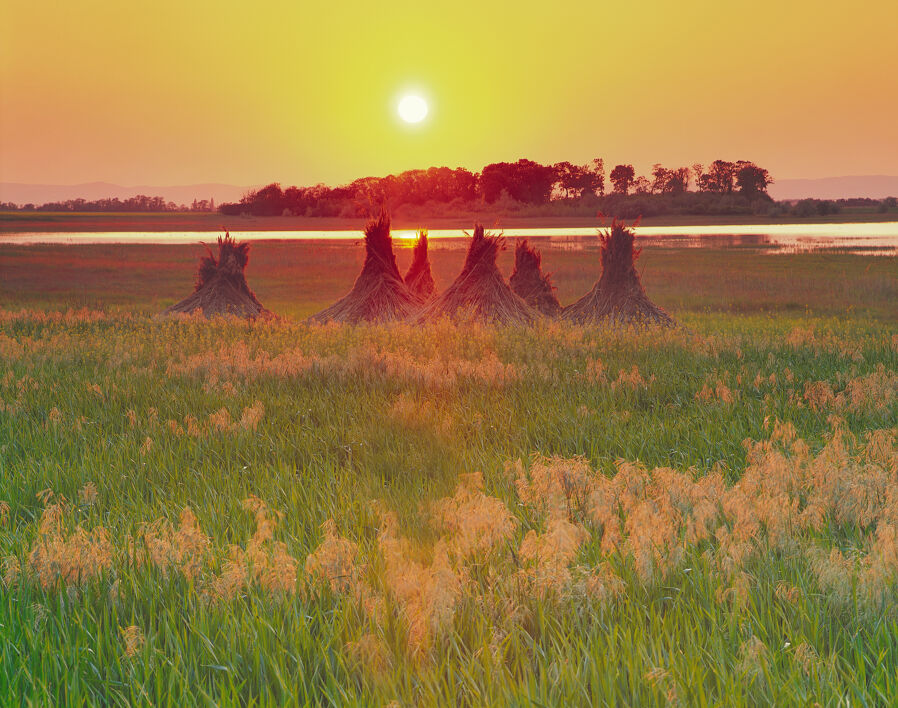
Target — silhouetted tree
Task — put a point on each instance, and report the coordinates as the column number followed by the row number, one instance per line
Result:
column 565, row 173
column 494, row 179
column 641, row 185
column 751, row 179
column 598, row 176
column 575, row 181
column 660, row 176
column 721, row 177
column 697, row 171
column 622, row 177
column 525, row 181
column 679, row 180
column 464, row 184
column 268, row 201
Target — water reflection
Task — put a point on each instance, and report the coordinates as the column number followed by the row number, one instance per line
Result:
column 866, row 239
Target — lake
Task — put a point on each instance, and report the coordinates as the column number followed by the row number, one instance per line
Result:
column 880, row 238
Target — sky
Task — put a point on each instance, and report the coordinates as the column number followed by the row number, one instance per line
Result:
column 176, row 92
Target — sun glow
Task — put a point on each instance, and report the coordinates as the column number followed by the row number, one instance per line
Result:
column 412, row 109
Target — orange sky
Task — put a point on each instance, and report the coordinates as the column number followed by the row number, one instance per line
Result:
column 176, row 92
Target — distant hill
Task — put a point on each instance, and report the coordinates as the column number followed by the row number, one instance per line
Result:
column 872, row 186
column 19, row 193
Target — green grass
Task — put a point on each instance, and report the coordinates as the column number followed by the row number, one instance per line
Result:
column 330, row 442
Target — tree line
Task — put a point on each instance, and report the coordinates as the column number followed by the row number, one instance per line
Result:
column 139, row 203
column 524, row 188
column 523, row 182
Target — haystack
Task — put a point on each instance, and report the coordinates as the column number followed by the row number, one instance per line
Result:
column 221, row 287
column 618, row 296
column 379, row 294
column 480, row 292
column 418, row 277
column 530, row 283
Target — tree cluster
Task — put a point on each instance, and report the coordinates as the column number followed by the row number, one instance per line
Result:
column 437, row 184
column 525, row 182
column 560, row 187
column 826, row 207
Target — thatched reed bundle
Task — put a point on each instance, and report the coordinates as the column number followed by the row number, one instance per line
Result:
column 379, row 293
column 480, row 292
column 618, row 296
column 221, row 287
column 530, row 283
column 418, row 277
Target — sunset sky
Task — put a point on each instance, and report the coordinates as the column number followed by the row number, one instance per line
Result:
column 245, row 93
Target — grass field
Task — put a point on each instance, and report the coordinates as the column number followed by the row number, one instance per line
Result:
column 298, row 278
column 221, row 513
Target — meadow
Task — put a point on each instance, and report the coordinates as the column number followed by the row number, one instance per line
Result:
column 273, row 513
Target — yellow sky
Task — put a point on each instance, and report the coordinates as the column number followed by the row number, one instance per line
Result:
column 176, row 92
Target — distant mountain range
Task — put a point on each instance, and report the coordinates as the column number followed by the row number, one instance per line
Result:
column 872, row 186
column 19, row 193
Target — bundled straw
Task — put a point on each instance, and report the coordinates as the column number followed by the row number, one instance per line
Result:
column 480, row 292
column 419, row 278
column 530, row 283
column 221, row 287
column 379, row 294
column 618, row 295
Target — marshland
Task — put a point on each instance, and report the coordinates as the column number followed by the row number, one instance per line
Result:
column 468, row 354
column 277, row 512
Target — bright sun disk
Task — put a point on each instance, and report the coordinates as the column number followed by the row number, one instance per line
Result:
column 412, row 109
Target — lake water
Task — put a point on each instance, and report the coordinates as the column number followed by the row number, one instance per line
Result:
column 879, row 238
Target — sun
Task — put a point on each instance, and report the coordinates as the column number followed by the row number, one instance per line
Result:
column 412, row 109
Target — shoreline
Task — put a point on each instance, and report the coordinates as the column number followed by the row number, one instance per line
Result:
column 64, row 222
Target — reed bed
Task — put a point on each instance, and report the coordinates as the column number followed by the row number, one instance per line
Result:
column 479, row 292
column 530, row 283
column 218, row 511
column 618, row 294
column 379, row 293
column 419, row 277
column 221, row 287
